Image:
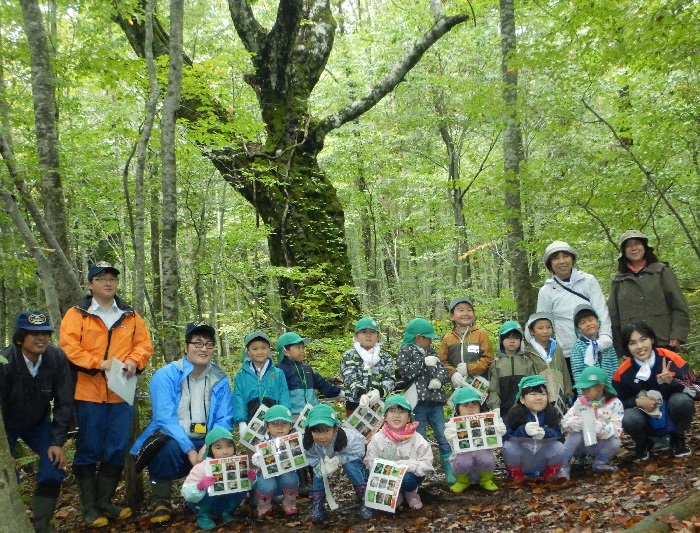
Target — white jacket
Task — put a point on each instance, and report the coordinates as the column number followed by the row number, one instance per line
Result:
column 560, row 303
column 414, row 449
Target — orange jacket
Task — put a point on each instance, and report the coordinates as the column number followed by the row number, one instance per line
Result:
column 475, row 350
column 87, row 342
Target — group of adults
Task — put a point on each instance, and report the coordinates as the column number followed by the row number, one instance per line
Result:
column 645, row 301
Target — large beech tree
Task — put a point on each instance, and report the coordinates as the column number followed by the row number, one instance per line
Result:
column 280, row 176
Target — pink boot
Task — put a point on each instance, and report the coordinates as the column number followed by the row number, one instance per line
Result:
column 264, row 505
column 413, row 499
column 289, row 501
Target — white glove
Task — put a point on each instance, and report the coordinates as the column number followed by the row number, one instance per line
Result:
column 257, row 459
column 373, row 396
column 364, row 401
column 435, row 384
column 575, row 423
column 340, row 396
column 432, row 360
column 329, row 465
column 410, row 464
column 450, row 430
column 534, row 430
column 458, row 380
column 499, row 427
column 242, row 428
column 604, row 342
column 598, row 426
column 462, row 369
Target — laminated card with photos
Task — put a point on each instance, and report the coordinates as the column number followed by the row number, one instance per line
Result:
column 384, row 484
column 367, row 420
column 301, row 419
column 476, row 432
column 230, row 475
column 256, row 429
column 282, row 455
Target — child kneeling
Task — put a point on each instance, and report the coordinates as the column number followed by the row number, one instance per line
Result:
column 398, row 441
column 608, row 411
column 278, row 423
column 477, row 465
column 219, row 444
column 531, row 444
column 328, row 447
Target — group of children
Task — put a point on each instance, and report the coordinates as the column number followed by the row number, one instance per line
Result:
column 528, row 381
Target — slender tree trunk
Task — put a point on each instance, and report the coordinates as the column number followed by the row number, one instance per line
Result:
column 15, row 519
column 512, row 158
column 171, row 105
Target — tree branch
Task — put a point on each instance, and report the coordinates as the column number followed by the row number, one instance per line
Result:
column 393, row 77
column 249, row 29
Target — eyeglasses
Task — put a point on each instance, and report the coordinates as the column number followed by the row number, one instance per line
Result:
column 199, row 345
column 106, row 280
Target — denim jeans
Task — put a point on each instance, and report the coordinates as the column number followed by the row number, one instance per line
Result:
column 39, row 440
column 356, row 472
column 104, row 430
column 432, row 413
column 270, row 486
column 411, row 482
column 170, row 463
column 679, row 409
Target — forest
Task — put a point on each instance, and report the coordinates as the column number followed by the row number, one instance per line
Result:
column 314, row 162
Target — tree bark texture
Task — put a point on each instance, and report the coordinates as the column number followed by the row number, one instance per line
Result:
column 512, row 158
column 15, row 519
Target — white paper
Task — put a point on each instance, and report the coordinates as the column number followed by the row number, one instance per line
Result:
column 230, row 474
column 282, row 455
column 476, row 432
column 256, row 429
column 329, row 495
column 119, row 384
column 367, row 420
column 384, row 484
column 411, row 395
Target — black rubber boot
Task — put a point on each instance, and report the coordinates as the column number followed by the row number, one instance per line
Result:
column 87, row 483
column 107, row 481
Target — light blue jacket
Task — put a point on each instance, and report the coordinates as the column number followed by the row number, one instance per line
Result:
column 355, row 450
column 248, row 386
column 166, row 391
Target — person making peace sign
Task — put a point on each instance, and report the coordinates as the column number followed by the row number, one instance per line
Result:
column 648, row 384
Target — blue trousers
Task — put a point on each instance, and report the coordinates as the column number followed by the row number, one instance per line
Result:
column 215, row 505
column 356, row 472
column 170, row 462
column 432, row 413
column 411, row 482
column 38, row 439
column 269, row 487
column 104, row 430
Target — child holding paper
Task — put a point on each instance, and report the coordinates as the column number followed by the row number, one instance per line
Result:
column 219, row 444
column 328, row 447
column 278, row 423
column 600, row 408
column 398, row 441
column 478, row 464
column 531, row 443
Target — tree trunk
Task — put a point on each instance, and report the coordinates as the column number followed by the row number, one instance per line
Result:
column 171, row 104
column 512, row 158
column 15, row 519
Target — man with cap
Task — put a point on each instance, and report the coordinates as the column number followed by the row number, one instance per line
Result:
column 100, row 329
column 189, row 397
column 34, row 373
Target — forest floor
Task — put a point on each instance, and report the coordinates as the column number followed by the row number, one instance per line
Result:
column 589, row 502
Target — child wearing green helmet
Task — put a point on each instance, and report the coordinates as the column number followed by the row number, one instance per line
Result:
column 368, row 372
column 477, row 465
column 219, row 444
column 399, row 441
column 278, row 423
column 510, row 366
column 532, row 444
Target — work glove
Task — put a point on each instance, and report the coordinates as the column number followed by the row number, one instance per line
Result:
column 604, row 342
column 410, row 464
column 257, row 459
column 457, row 380
column 330, row 465
column 534, row 430
column 462, row 369
column 575, row 423
column 373, row 397
column 205, row 482
column 341, row 396
column 432, row 360
column 242, row 428
column 450, row 430
column 499, row 426
column 435, row 384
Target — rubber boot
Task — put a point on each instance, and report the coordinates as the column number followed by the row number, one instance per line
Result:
column 413, row 499
column 264, row 505
column 289, row 501
column 204, row 520
column 42, row 513
column 462, row 484
column 516, row 473
column 87, row 484
column 447, row 467
column 107, row 481
column 486, row 481
column 365, row 512
column 551, row 473
column 304, row 478
column 318, row 510
column 160, row 496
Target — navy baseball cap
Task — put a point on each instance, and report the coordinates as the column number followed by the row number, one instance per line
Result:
column 199, row 326
column 100, row 267
column 34, row 321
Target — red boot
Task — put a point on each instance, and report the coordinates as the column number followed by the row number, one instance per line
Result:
column 551, row 473
column 516, row 473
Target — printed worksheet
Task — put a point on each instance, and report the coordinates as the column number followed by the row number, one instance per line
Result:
column 367, row 420
column 230, row 473
column 256, row 429
column 384, row 484
column 476, row 432
column 281, row 455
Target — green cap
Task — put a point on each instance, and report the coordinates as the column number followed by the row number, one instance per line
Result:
column 322, row 414
column 290, row 338
column 278, row 412
column 508, row 326
column 529, row 381
column 594, row 375
column 215, row 434
column 399, row 400
column 418, row 326
column 366, row 323
column 255, row 336
column 465, row 395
